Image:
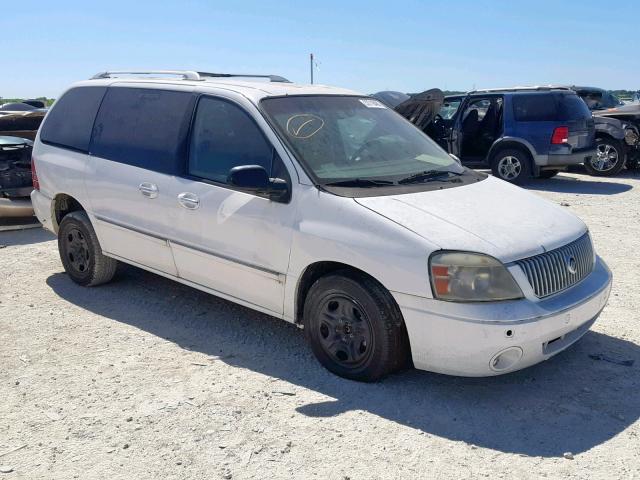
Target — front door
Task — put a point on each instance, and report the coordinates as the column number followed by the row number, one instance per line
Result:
column 233, row 242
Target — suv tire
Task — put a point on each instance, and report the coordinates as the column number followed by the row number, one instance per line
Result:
column 609, row 160
column 354, row 327
column 512, row 165
column 81, row 253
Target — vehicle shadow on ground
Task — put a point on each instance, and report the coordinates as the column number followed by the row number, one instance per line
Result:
column 569, row 403
column 563, row 184
column 25, row 237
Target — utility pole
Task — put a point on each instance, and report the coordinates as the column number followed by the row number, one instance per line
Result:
column 311, row 66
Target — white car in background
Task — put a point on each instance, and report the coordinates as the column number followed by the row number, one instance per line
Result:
column 319, row 206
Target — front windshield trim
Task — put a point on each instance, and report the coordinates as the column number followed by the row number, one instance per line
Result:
column 315, row 179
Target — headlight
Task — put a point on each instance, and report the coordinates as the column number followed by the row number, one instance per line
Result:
column 630, row 135
column 471, row 277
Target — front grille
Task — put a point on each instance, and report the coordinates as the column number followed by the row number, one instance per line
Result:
column 554, row 271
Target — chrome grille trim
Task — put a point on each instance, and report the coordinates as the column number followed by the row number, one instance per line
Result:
column 548, row 273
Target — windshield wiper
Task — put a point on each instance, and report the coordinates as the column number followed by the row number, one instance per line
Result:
column 427, row 175
column 360, row 183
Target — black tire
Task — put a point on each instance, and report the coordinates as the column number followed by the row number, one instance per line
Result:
column 548, row 173
column 503, row 161
column 365, row 339
column 609, row 160
column 81, row 253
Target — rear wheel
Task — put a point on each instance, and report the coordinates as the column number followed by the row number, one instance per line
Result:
column 609, row 159
column 80, row 251
column 511, row 165
column 354, row 327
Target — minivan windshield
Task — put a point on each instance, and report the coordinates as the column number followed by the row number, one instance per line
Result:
column 357, row 141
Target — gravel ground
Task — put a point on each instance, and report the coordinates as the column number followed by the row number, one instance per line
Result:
column 144, row 378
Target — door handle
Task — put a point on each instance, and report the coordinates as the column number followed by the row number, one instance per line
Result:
column 149, row 190
column 189, row 200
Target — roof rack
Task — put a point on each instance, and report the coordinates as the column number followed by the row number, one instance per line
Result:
column 522, row 88
column 186, row 75
column 272, row 78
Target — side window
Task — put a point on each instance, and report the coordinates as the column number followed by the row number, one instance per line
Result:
column 535, row 108
column 449, row 108
column 224, row 136
column 145, row 128
column 71, row 119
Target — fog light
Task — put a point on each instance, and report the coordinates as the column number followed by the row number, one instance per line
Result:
column 505, row 359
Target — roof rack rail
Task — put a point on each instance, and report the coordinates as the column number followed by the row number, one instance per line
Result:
column 185, row 74
column 272, row 78
column 522, row 88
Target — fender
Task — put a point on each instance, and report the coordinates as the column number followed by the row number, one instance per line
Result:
column 500, row 142
column 609, row 126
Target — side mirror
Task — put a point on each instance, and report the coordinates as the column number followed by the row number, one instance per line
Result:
column 249, row 177
column 254, row 178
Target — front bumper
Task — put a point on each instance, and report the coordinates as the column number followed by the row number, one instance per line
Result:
column 485, row 339
column 15, row 207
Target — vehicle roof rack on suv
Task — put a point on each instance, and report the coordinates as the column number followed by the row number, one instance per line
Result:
column 523, row 88
column 272, row 78
column 186, row 75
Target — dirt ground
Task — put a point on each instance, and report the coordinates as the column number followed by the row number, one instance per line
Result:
column 146, row 379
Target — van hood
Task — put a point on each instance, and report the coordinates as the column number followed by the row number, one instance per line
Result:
column 491, row 217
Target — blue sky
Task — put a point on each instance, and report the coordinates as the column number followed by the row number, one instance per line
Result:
column 367, row 46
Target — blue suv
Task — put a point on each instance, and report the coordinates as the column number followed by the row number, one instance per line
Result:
column 519, row 132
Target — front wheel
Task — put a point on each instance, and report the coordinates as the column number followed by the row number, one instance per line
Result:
column 354, row 327
column 511, row 165
column 609, row 159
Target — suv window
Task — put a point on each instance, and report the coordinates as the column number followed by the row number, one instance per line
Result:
column 145, row 128
column 572, row 107
column 224, row 136
column 534, row 108
column 449, row 108
column 71, row 119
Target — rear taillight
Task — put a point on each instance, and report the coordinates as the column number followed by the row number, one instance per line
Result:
column 34, row 175
column 560, row 136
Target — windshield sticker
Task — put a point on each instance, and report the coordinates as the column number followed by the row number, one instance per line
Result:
column 371, row 103
column 304, row 125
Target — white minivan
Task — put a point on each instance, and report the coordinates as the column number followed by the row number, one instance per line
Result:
column 319, row 206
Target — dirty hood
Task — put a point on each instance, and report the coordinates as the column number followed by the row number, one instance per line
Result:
column 491, row 216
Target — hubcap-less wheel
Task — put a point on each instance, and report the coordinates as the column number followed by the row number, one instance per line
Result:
column 345, row 331
column 77, row 250
column 509, row 167
column 606, row 158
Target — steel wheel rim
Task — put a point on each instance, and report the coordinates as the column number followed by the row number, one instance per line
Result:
column 509, row 167
column 345, row 331
column 77, row 251
column 606, row 158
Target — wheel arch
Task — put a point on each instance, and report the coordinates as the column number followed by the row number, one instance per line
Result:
column 61, row 205
column 515, row 143
column 319, row 269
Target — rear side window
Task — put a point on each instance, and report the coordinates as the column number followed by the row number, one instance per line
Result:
column 534, row 108
column 145, row 128
column 71, row 119
column 223, row 137
column 572, row 107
